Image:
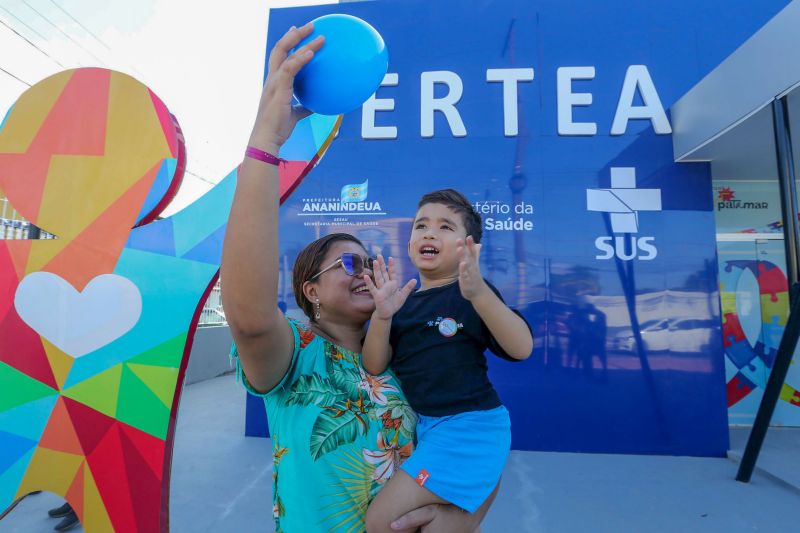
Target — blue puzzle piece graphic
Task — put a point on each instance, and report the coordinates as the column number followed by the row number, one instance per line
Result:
column 740, row 353
column 772, row 332
column 766, row 354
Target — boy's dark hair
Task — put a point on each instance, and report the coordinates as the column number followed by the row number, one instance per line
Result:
column 309, row 262
column 458, row 203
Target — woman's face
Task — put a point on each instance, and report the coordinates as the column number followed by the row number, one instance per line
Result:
column 342, row 297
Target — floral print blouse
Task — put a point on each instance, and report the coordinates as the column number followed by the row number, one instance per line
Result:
column 338, row 434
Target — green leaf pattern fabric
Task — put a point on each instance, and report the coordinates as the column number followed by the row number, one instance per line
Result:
column 338, row 434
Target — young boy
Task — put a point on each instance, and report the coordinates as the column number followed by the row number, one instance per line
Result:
column 435, row 340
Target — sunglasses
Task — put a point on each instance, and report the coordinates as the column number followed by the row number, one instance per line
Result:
column 353, row 265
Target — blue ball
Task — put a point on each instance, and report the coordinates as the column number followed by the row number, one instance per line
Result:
column 348, row 69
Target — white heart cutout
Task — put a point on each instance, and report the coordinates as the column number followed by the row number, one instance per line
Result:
column 78, row 322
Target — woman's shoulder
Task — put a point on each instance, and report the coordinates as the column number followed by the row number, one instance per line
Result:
column 304, row 332
column 306, row 338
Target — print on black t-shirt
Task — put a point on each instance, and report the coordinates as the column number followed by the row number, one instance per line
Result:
column 438, row 343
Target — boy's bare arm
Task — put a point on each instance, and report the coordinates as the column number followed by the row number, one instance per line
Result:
column 389, row 298
column 376, row 353
column 509, row 329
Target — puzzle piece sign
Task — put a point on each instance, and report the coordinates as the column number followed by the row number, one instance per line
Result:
column 753, row 362
column 96, row 325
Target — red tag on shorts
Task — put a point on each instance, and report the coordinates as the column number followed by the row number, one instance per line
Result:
column 422, row 477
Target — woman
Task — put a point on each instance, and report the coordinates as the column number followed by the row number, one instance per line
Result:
column 338, row 433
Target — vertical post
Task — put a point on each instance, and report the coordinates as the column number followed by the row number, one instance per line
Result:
column 786, row 180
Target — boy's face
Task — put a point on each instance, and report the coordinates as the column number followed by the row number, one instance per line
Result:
column 432, row 247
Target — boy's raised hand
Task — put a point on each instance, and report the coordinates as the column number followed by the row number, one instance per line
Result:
column 470, row 280
column 385, row 290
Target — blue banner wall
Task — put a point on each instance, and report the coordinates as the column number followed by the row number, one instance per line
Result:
column 553, row 118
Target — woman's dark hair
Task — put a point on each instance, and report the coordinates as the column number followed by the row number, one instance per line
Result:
column 309, row 262
column 458, row 203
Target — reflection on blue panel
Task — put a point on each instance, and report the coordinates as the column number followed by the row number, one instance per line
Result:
column 621, row 292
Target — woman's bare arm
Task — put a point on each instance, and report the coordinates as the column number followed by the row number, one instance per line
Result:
column 250, row 263
column 438, row 518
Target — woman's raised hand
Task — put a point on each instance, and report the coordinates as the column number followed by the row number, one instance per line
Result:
column 276, row 115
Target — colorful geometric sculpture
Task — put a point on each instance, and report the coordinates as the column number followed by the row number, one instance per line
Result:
column 96, row 325
column 753, row 362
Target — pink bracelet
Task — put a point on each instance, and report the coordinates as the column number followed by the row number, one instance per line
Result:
column 261, row 155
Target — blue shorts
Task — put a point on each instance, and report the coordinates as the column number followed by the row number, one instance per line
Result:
column 460, row 457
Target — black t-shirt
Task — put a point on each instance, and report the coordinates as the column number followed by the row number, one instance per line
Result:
column 438, row 343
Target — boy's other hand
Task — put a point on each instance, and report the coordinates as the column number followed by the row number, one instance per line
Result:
column 470, row 280
column 386, row 292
